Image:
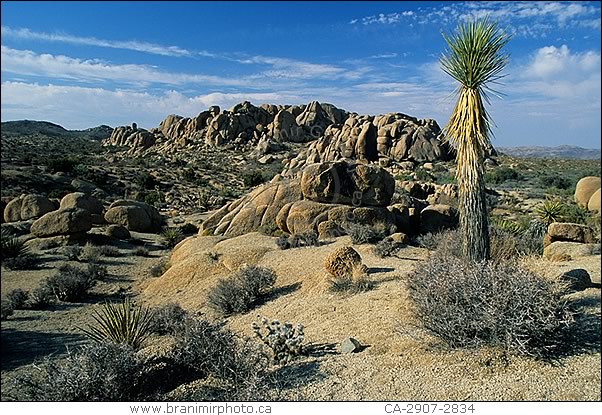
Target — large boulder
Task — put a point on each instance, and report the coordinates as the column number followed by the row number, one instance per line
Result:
column 571, row 232
column 565, row 251
column 341, row 262
column 347, row 183
column 82, row 201
column 257, row 208
column 34, row 206
column 435, row 218
column 585, row 188
column 136, row 216
column 62, row 222
column 594, row 202
column 12, row 211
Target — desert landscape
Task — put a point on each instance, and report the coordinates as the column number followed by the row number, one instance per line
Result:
column 302, row 251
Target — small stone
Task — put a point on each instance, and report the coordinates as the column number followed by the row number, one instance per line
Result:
column 350, row 345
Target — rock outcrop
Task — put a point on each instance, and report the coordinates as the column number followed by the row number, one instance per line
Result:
column 135, row 216
column 27, row 207
column 585, row 189
column 336, row 134
column 67, row 221
column 338, row 193
column 396, row 137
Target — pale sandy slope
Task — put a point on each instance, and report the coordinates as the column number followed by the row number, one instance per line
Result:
column 400, row 362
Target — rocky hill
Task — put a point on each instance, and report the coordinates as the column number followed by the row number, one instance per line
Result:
column 48, row 129
column 334, row 133
column 559, row 152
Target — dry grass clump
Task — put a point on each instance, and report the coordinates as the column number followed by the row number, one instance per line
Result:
column 353, row 282
column 386, row 248
column 239, row 292
column 167, row 318
column 499, row 304
column 362, row 234
column 298, row 240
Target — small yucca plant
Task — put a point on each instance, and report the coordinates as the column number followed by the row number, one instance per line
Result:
column 172, row 236
column 11, row 247
column 123, row 323
column 513, row 228
column 550, row 211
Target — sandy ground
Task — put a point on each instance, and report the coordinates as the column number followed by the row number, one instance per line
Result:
column 398, row 360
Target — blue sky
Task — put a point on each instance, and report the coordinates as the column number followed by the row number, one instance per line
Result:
column 81, row 64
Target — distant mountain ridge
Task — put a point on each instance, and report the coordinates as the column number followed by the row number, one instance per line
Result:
column 560, row 152
column 49, row 129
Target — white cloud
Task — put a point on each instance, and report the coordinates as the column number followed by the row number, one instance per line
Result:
column 133, row 45
column 523, row 18
column 552, row 61
column 29, row 63
column 78, row 107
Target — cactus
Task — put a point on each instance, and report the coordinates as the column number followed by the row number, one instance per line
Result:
column 284, row 340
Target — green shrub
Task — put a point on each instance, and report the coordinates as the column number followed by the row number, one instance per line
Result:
column 95, row 372
column 556, row 181
column 40, row 297
column 70, row 283
column 172, row 236
column 27, row 261
column 284, row 340
column 423, row 175
column 497, row 304
column 205, row 350
column 123, row 323
column 97, row 272
column 239, row 292
column 72, row 252
column 146, row 181
column 502, row 174
column 90, row 253
column 109, row 250
column 252, row 178
column 17, row 298
column 60, row 164
column 574, row 213
column 189, row 229
column 154, row 198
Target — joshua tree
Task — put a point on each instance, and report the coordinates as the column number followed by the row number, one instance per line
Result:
column 475, row 59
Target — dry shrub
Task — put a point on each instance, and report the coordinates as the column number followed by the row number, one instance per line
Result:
column 239, row 292
column 361, row 234
column 353, row 282
column 96, row 372
column 70, row 283
column 499, row 304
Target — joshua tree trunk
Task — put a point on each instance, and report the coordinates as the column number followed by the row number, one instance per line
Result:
column 472, row 144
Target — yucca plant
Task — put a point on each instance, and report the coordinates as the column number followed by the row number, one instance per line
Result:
column 172, row 236
column 11, row 246
column 475, row 59
column 549, row 211
column 513, row 228
column 123, row 323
